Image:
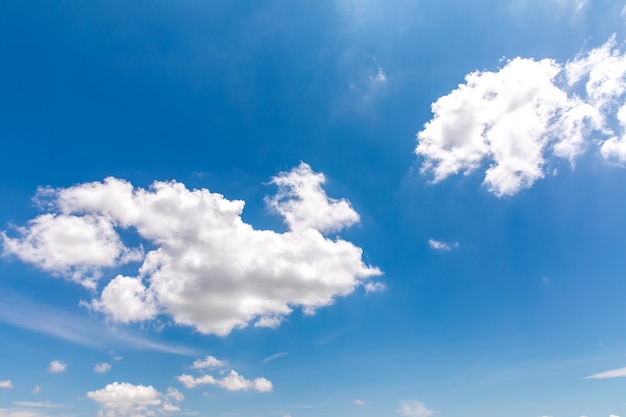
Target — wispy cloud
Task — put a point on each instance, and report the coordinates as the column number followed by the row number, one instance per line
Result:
column 38, row 404
column 82, row 330
column 613, row 373
column 414, row 409
column 442, row 246
column 274, row 357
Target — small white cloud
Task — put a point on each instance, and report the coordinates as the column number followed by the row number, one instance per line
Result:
column 360, row 402
column 190, row 381
column 442, row 246
column 102, row 367
column 374, row 287
column 56, row 367
column 210, row 362
column 414, row 409
column 174, row 394
column 36, row 390
column 271, row 322
column 614, row 373
column 6, row 384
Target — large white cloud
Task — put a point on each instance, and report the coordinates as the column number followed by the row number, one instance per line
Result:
column 128, row 400
column 511, row 123
column 208, row 268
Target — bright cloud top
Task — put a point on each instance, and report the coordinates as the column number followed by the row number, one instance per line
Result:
column 516, row 119
column 124, row 399
column 6, row 384
column 208, row 268
column 231, row 382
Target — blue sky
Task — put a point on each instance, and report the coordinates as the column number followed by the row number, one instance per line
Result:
column 294, row 209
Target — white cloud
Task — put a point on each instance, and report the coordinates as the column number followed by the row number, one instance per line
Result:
column 414, row 409
column 190, row 381
column 271, row 322
column 208, row 268
column 304, row 204
column 231, row 382
column 513, row 122
column 210, row 362
column 102, row 367
column 56, row 367
column 613, row 373
column 360, row 402
column 6, row 384
column 442, row 246
column 375, row 287
column 174, row 394
column 72, row 246
column 36, row 390
column 128, row 400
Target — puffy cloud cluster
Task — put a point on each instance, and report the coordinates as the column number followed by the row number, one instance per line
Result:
column 513, row 121
column 207, row 268
column 126, row 400
column 231, row 382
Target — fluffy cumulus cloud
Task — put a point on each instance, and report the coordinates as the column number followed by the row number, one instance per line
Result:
column 6, row 384
column 232, row 381
column 125, row 399
column 514, row 122
column 207, row 268
column 57, row 367
column 414, row 409
column 210, row 362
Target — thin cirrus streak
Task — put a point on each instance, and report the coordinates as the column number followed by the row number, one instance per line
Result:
column 26, row 314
